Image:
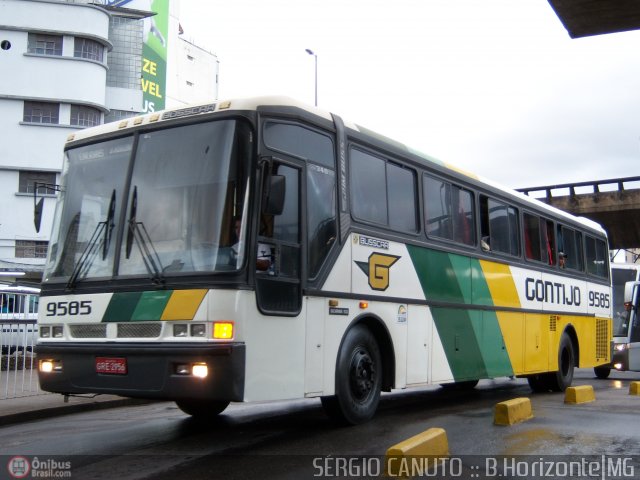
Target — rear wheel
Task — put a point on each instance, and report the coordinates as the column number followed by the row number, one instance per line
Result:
column 562, row 378
column 358, row 379
column 202, row 409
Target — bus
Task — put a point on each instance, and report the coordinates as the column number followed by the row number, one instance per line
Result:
column 386, row 268
column 18, row 315
column 626, row 328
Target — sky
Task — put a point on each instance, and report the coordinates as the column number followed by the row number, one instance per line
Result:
column 495, row 87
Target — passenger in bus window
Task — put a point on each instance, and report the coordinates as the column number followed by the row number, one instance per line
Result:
column 562, row 259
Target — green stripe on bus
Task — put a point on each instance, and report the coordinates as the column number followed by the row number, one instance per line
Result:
column 472, row 340
column 121, row 307
column 151, row 306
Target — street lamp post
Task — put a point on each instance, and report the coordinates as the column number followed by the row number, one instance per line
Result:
column 310, row 52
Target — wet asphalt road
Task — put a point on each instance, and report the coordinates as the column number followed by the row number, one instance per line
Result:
column 296, row 440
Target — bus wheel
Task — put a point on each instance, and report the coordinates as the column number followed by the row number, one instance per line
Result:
column 561, row 379
column 539, row 383
column 202, row 409
column 358, row 379
column 602, row 372
column 466, row 385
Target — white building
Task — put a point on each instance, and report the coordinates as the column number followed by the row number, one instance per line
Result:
column 68, row 65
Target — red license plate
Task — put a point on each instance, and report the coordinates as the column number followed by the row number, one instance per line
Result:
column 114, row 366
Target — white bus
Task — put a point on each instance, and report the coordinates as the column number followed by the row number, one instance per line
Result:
column 262, row 249
column 626, row 329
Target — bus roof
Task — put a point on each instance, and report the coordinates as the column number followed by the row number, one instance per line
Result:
column 254, row 103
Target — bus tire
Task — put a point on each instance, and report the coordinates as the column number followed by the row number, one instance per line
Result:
column 539, row 383
column 562, row 378
column 202, row 409
column 465, row 385
column 602, row 372
column 358, row 379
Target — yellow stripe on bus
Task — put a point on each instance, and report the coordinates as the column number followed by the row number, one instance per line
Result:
column 501, row 285
column 183, row 304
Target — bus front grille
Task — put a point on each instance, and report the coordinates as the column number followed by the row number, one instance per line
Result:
column 139, row 330
column 88, row 331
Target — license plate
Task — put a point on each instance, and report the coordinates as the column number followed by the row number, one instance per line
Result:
column 114, row 366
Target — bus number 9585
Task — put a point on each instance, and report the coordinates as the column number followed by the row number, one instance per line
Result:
column 59, row 309
column 597, row 299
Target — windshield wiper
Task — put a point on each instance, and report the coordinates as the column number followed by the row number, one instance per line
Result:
column 101, row 237
column 138, row 232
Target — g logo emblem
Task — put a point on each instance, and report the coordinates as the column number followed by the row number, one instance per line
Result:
column 377, row 269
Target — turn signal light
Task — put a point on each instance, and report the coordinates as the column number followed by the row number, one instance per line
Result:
column 223, row 330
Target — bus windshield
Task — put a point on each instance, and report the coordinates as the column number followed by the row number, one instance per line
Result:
column 153, row 204
column 619, row 277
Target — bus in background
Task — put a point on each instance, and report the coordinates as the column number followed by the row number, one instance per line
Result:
column 18, row 315
column 626, row 331
column 386, row 268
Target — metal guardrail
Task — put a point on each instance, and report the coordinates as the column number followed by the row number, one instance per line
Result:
column 18, row 367
column 18, row 336
column 595, row 185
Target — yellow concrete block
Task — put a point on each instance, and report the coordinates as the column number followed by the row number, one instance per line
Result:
column 512, row 411
column 634, row 388
column 580, row 394
column 410, row 457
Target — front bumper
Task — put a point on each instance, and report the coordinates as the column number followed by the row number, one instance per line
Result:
column 151, row 370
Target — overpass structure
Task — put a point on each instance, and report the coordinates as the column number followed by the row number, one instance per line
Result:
column 613, row 203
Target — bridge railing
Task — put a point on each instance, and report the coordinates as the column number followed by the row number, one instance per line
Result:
column 596, row 186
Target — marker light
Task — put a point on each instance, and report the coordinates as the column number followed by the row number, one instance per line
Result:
column 223, row 330
column 621, row 347
column 364, row 305
column 200, row 370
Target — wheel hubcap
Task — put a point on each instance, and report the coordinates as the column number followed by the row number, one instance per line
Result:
column 362, row 374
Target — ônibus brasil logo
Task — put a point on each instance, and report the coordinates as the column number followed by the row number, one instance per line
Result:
column 19, row 467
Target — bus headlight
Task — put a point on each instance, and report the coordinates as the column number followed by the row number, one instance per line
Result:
column 57, row 331
column 621, row 347
column 198, row 330
column 179, row 330
column 45, row 332
column 48, row 366
column 200, row 370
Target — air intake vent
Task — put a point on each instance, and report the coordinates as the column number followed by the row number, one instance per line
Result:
column 139, row 330
column 553, row 322
column 602, row 339
column 95, row 330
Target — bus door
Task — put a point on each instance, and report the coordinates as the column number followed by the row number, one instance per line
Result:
column 278, row 288
column 633, row 346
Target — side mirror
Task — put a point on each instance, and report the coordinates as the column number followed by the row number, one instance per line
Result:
column 274, row 195
column 631, row 290
column 37, row 214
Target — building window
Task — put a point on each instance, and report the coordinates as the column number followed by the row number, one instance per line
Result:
column 41, row 44
column 31, row 249
column 41, row 112
column 27, row 179
column 116, row 115
column 90, row 49
column 125, row 60
column 84, row 116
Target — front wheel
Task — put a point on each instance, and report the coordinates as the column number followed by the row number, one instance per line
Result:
column 202, row 409
column 358, row 379
column 602, row 372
